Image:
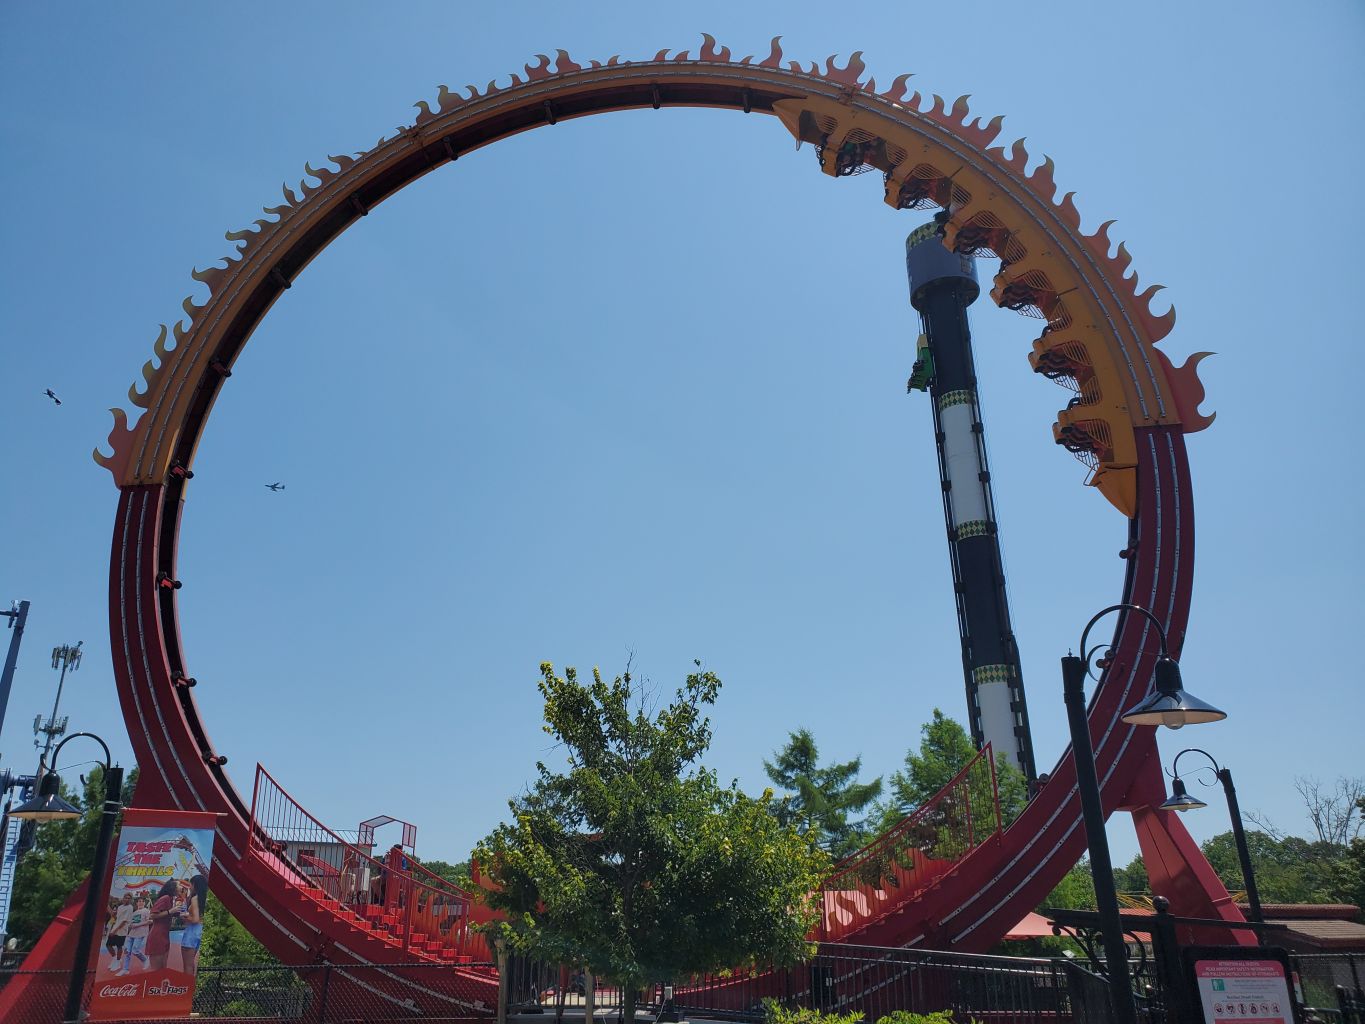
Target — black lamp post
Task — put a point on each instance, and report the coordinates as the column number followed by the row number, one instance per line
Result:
column 1182, row 801
column 49, row 806
column 1168, row 705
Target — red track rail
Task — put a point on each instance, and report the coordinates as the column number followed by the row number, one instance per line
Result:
column 896, row 867
column 984, row 895
column 968, row 907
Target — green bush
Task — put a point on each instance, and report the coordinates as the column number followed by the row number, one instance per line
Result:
column 775, row 1013
column 906, row 1017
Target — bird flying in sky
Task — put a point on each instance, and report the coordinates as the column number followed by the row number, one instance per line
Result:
column 50, row 395
column 276, row 486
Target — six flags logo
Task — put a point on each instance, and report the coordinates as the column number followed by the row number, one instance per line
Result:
column 133, row 989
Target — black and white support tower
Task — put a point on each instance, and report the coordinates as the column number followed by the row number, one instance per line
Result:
column 942, row 285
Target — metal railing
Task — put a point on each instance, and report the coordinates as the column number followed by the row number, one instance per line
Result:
column 925, row 845
column 871, row 980
column 425, row 917
column 1331, row 985
column 876, row 981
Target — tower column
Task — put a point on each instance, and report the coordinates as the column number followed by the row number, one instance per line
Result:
column 942, row 286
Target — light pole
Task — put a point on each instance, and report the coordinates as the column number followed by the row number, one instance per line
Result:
column 1182, row 801
column 1168, row 705
column 18, row 616
column 49, row 806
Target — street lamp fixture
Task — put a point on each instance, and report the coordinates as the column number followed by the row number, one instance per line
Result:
column 49, row 806
column 1168, row 705
column 1180, row 800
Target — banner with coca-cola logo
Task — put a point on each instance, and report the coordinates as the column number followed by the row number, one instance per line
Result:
column 154, row 916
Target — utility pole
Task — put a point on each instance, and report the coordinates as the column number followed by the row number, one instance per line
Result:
column 18, row 616
column 66, row 658
column 9, row 855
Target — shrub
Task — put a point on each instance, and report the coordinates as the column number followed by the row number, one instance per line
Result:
column 906, row 1017
column 775, row 1013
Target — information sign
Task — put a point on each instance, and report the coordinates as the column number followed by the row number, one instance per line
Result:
column 1241, row 985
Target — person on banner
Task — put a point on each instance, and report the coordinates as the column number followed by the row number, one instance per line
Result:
column 139, row 924
column 193, row 933
column 159, row 935
column 120, row 917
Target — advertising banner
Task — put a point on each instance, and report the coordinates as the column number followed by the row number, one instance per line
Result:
column 148, row 950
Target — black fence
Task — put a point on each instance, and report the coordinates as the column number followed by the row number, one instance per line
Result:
column 317, row 994
column 1331, row 985
column 871, row 980
column 876, row 981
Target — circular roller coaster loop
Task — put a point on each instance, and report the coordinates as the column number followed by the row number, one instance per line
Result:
column 1127, row 422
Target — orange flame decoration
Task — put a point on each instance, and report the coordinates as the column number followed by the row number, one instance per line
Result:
column 954, row 119
column 1188, row 390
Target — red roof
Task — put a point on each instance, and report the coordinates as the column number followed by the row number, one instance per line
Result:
column 1033, row 926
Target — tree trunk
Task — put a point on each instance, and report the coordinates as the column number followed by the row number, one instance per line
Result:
column 628, row 1003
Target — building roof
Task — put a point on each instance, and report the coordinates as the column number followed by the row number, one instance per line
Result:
column 1325, row 934
column 1308, row 911
column 1033, row 926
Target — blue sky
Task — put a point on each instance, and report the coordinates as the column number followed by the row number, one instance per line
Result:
column 633, row 386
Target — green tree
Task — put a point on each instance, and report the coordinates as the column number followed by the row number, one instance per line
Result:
column 635, row 861
column 1076, row 890
column 944, row 750
column 226, row 940
column 821, row 799
column 60, row 858
column 1288, row 870
column 1291, row 869
column 1133, row 878
column 456, row 874
column 1349, row 875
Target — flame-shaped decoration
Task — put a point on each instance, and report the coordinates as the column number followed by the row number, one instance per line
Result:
column 774, row 58
column 709, row 51
column 850, row 73
column 1188, row 390
column 150, row 370
column 954, row 119
column 121, row 442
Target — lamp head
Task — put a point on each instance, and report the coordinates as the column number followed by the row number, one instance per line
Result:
column 47, row 805
column 1179, row 800
column 1169, row 704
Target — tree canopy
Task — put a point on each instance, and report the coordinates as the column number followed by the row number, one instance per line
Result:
column 944, row 750
column 821, row 799
column 1289, row 869
column 456, row 874
column 59, row 860
column 633, row 860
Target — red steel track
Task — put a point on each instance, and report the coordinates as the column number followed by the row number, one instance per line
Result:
column 984, row 894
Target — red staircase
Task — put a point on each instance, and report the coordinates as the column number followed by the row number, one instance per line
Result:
column 391, row 903
column 885, row 876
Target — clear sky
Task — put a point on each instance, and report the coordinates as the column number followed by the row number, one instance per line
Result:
column 634, row 385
